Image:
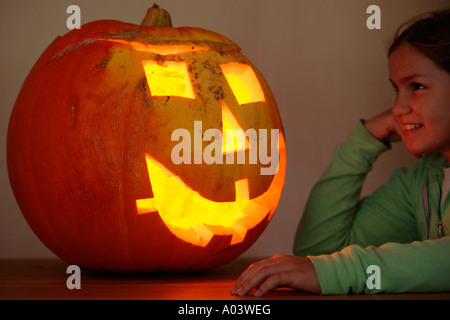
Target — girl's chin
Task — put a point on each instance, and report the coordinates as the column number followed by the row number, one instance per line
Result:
column 419, row 150
column 413, row 148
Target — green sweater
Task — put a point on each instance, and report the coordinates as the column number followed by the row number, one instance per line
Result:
column 343, row 235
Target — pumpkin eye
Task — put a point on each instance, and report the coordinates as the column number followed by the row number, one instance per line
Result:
column 169, row 78
column 243, row 82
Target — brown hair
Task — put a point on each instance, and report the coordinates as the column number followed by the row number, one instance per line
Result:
column 430, row 34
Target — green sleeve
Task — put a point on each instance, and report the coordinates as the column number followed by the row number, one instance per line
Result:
column 343, row 235
column 335, row 216
column 420, row 266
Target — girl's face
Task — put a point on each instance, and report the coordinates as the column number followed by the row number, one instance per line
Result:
column 422, row 104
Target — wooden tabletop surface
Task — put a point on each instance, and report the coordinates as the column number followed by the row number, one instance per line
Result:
column 46, row 279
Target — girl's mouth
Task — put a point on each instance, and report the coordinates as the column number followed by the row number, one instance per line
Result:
column 411, row 127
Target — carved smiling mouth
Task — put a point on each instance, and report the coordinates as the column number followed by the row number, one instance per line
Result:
column 195, row 219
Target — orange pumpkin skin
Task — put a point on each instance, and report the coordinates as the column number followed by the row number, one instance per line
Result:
column 82, row 124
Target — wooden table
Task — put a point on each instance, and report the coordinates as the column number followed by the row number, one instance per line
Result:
column 46, row 279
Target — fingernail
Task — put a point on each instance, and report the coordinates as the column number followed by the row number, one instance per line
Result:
column 257, row 293
column 240, row 292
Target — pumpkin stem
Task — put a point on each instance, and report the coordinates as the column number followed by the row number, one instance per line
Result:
column 156, row 17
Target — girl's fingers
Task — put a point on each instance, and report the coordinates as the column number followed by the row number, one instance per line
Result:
column 255, row 266
column 248, row 273
column 257, row 273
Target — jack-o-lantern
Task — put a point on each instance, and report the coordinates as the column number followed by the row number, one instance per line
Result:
column 99, row 155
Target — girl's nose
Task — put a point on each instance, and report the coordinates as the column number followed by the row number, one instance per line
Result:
column 401, row 106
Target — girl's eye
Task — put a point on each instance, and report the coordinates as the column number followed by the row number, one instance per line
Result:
column 417, row 86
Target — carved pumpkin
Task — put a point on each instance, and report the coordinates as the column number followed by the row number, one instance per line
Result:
column 91, row 148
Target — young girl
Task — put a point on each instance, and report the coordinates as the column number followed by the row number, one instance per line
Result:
column 402, row 229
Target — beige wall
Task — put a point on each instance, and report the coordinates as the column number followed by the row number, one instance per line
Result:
column 325, row 68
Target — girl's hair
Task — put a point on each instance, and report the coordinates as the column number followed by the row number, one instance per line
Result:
column 430, row 34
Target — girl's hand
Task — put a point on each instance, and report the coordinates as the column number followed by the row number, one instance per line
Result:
column 384, row 127
column 278, row 271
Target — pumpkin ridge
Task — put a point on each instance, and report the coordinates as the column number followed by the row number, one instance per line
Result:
column 135, row 36
column 71, row 47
